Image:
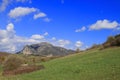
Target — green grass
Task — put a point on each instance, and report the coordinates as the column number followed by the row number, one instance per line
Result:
column 0, row 68
column 89, row 65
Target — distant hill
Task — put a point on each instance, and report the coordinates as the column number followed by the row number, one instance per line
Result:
column 45, row 49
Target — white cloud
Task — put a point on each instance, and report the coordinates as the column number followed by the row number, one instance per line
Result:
column 78, row 44
column 5, row 3
column 47, row 19
column 24, row 1
column 118, row 28
column 10, row 27
column 39, row 15
column 21, row 11
column 103, row 24
column 10, row 42
column 53, row 38
column 8, row 33
column 37, row 36
column 63, row 43
column 6, row 44
column 81, row 29
column 45, row 34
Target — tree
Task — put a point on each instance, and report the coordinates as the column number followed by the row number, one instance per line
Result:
column 110, row 39
column 77, row 50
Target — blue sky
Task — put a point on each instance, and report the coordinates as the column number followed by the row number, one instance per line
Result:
column 66, row 23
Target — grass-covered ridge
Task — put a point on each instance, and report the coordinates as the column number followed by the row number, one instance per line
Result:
column 89, row 65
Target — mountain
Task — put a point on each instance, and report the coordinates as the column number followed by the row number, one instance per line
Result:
column 45, row 49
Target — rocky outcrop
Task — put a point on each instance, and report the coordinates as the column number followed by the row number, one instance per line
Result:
column 45, row 49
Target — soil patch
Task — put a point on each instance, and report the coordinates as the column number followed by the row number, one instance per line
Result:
column 23, row 69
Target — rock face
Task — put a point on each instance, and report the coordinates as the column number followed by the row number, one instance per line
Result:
column 45, row 49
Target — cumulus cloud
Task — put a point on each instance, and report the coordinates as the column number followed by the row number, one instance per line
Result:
column 63, row 43
column 46, row 33
column 53, row 38
column 118, row 28
column 81, row 29
column 5, row 3
column 21, row 11
column 10, row 42
column 37, row 36
column 24, row 1
column 8, row 33
column 47, row 19
column 5, row 38
column 39, row 15
column 10, row 27
column 103, row 24
column 78, row 44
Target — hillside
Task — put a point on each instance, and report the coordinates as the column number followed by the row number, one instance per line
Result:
column 4, row 54
column 88, row 65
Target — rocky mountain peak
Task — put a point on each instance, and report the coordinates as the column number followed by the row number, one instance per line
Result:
column 44, row 49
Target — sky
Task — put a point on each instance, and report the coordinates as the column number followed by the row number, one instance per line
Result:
column 66, row 23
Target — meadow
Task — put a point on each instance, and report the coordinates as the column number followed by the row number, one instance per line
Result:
column 88, row 65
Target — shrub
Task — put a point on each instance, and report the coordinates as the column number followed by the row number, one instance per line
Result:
column 106, row 45
column 118, row 40
column 110, row 39
column 12, row 62
column 44, row 59
column 2, row 59
column 77, row 50
column 117, row 36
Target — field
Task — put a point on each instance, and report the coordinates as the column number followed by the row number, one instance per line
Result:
column 88, row 65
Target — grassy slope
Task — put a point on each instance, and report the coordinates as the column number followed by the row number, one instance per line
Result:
column 4, row 54
column 91, row 65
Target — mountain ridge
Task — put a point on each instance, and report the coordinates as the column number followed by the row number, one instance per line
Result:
column 45, row 49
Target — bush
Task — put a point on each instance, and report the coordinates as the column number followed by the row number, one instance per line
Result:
column 12, row 62
column 118, row 40
column 106, row 45
column 77, row 50
column 117, row 36
column 2, row 59
column 112, row 41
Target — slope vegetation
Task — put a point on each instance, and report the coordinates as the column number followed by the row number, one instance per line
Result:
column 88, row 65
